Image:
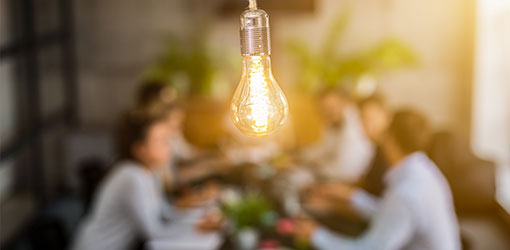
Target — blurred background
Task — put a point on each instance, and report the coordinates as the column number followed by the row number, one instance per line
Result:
column 69, row 68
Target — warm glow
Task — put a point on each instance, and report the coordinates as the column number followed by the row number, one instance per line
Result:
column 259, row 98
column 258, row 107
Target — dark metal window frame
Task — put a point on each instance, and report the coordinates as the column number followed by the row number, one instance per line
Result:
column 24, row 50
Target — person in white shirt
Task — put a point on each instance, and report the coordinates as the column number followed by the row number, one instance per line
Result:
column 416, row 211
column 129, row 205
column 344, row 151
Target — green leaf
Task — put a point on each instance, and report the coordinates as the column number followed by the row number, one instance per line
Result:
column 191, row 57
column 329, row 69
column 251, row 211
column 391, row 54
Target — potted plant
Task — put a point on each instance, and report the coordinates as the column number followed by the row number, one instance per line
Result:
column 325, row 68
column 198, row 74
column 247, row 215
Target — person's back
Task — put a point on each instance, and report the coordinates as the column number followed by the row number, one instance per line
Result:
column 419, row 185
column 109, row 226
column 129, row 206
column 425, row 191
column 416, row 211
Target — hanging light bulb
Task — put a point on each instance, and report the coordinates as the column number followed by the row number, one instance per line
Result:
column 258, row 107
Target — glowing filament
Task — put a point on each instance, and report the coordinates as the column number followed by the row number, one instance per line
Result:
column 259, row 100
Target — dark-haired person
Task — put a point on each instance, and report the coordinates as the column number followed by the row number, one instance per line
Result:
column 152, row 95
column 151, row 92
column 416, row 211
column 343, row 152
column 129, row 204
column 375, row 117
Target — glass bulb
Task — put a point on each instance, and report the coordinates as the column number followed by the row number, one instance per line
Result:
column 258, row 107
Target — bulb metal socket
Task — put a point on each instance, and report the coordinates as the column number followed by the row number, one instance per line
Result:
column 255, row 36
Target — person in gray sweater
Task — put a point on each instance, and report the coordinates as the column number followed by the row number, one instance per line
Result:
column 130, row 204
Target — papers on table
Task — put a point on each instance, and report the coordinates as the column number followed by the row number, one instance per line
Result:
column 189, row 238
column 193, row 240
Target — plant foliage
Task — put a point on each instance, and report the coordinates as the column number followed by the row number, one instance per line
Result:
column 326, row 68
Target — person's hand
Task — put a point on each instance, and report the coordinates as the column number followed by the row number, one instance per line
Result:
column 334, row 190
column 318, row 204
column 189, row 200
column 304, row 229
column 197, row 198
column 211, row 221
column 211, row 191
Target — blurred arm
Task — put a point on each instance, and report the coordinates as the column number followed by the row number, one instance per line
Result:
column 169, row 212
column 391, row 229
column 365, row 203
column 146, row 210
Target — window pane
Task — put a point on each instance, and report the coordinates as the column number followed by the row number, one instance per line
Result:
column 491, row 91
column 53, row 157
column 5, row 16
column 51, row 81
column 8, row 115
column 10, row 22
column 6, row 177
column 46, row 16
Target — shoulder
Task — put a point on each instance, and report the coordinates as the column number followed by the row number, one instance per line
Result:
column 408, row 189
column 129, row 172
column 421, row 184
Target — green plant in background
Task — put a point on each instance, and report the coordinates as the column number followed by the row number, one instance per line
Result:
column 327, row 69
column 189, row 65
column 252, row 210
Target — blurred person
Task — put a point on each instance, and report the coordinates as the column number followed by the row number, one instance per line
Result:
column 375, row 117
column 151, row 95
column 416, row 210
column 191, row 164
column 343, row 151
column 154, row 92
column 177, row 177
column 129, row 204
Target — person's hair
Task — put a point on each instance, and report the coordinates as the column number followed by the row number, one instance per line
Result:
column 133, row 127
column 410, row 130
column 150, row 92
column 373, row 99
